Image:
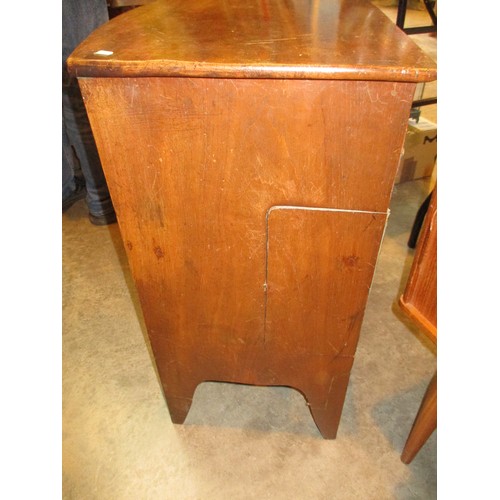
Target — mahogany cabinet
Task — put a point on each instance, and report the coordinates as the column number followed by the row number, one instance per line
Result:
column 250, row 150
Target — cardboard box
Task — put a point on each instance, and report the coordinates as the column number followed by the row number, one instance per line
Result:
column 420, row 151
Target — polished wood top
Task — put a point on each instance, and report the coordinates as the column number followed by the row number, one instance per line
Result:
column 309, row 39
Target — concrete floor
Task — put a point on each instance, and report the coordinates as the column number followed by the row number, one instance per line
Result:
column 238, row 442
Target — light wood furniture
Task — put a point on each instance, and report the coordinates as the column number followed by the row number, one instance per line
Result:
column 419, row 302
column 250, row 150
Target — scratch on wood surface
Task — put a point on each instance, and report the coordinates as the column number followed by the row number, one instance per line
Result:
column 273, row 40
column 154, row 181
column 376, row 98
column 134, row 88
column 369, row 223
column 334, row 348
column 330, row 389
column 254, row 236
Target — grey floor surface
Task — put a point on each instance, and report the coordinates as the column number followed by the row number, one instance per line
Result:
column 238, row 442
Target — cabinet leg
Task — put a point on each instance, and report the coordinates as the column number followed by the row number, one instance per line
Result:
column 180, row 403
column 326, row 405
column 424, row 425
column 178, row 408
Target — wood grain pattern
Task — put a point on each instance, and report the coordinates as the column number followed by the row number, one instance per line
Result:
column 419, row 301
column 318, row 39
column 250, row 149
column 230, row 281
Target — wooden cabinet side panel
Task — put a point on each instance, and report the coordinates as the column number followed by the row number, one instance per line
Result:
column 194, row 165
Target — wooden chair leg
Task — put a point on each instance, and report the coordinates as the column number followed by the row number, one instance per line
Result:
column 424, row 425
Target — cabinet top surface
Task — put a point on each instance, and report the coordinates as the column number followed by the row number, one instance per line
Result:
column 310, row 39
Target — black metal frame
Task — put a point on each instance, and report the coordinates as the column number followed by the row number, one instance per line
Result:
column 415, row 112
column 425, row 102
column 400, row 20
